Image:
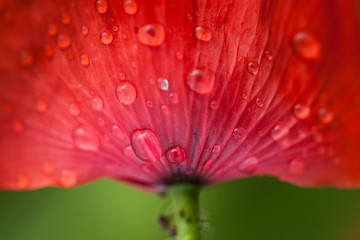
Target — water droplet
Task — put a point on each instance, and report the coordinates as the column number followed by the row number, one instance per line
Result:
column 101, row 6
column 117, row 132
column 253, row 68
column 115, row 28
column 200, row 82
column 84, row 30
column 106, row 37
column 146, row 145
column 26, row 59
column 325, row 116
column 216, row 149
column 214, row 105
column 176, row 155
column 296, row 167
column 307, row 46
column 249, row 165
column 74, row 109
column 65, row 18
column 208, row 165
column 163, row 84
column 268, row 55
column 70, row 56
column 179, row 55
column 278, row 132
column 133, row 64
column 148, row 169
column 101, row 121
column 48, row 167
column 240, row 134
column 84, row 59
column 122, row 76
column 85, row 139
column 22, row 181
column 259, row 103
column 63, row 41
column 173, row 97
column 48, row 50
column 97, row 103
column 126, row 93
column 41, row 105
column 130, row 7
column 52, row 29
column 152, row 34
column 244, row 96
column 203, row 33
column 301, row 111
column 68, row 177
column 149, row 104
column 165, row 109
column 18, row 125
column 123, row 36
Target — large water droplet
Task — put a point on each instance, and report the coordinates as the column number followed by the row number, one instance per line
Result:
column 325, row 116
column 296, row 167
column 240, row 134
column 253, row 67
column 200, row 82
column 126, row 93
column 117, row 132
column 65, row 18
column 130, row 7
column 101, row 6
column 301, row 111
column 48, row 167
column 278, row 132
column 74, row 109
column 85, row 30
column 176, row 155
column 203, row 33
column 85, row 139
column 151, row 34
column 68, row 177
column 146, row 145
column 307, row 46
column 249, row 165
column 163, row 84
column 63, row 41
column 22, row 181
column 97, row 103
column 84, row 59
column 106, row 37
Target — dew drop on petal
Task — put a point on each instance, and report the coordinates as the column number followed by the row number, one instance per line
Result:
column 130, row 7
column 106, row 37
column 65, row 18
column 74, row 109
column 240, row 134
column 84, row 30
column 68, row 177
column 152, row 34
column 259, row 102
column 268, row 55
column 85, row 139
column 97, row 103
column 253, row 67
column 63, row 41
column 48, row 167
column 26, row 59
column 18, row 125
column 214, row 104
column 48, row 50
column 301, row 111
column 126, row 93
column 163, row 84
column 176, row 155
column 325, row 116
column 249, row 165
column 22, row 181
column 173, row 97
column 148, row 169
column 117, row 132
column 128, row 152
column 146, row 145
column 84, row 59
column 101, row 6
column 307, row 46
column 165, row 109
column 122, row 76
column 216, row 149
column 199, row 82
column 208, row 165
column 278, row 132
column 149, row 104
column 101, row 121
column 52, row 29
column 296, row 167
column 41, row 105
column 203, row 33
column 179, row 55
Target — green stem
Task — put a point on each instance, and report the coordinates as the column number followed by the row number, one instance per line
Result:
column 185, row 199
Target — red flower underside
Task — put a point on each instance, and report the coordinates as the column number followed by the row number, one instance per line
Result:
column 155, row 92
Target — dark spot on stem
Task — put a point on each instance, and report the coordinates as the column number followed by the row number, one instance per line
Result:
column 181, row 213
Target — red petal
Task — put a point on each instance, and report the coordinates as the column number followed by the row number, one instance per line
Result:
column 152, row 92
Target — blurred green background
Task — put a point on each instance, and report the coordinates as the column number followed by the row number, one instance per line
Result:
column 257, row 208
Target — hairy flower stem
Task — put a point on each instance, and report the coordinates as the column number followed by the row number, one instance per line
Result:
column 185, row 200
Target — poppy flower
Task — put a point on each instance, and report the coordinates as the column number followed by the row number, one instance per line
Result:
column 157, row 93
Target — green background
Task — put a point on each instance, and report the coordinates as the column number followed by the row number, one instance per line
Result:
column 257, row 208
